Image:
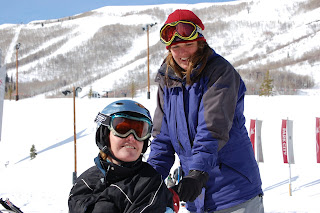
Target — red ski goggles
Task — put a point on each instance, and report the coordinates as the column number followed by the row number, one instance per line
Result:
column 184, row 30
column 122, row 125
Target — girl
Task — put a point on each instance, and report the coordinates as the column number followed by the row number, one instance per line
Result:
column 120, row 181
column 199, row 116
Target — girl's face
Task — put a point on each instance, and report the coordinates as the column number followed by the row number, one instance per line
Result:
column 126, row 149
column 182, row 53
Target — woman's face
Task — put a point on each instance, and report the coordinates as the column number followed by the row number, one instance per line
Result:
column 182, row 53
column 126, row 149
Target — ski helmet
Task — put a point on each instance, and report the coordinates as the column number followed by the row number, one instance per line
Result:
column 121, row 108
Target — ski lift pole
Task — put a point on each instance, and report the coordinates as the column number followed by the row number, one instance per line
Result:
column 17, row 91
column 290, row 190
column 147, row 29
column 74, row 136
column 148, row 94
column 75, row 94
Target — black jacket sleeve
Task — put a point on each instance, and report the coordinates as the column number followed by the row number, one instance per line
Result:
column 83, row 194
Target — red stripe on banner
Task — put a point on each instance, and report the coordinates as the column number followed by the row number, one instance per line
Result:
column 318, row 139
column 252, row 132
column 284, row 141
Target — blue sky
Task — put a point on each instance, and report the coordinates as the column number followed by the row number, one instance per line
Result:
column 24, row 11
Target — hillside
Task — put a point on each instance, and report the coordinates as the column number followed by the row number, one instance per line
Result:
column 256, row 36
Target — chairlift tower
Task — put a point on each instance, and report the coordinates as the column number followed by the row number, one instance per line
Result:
column 146, row 28
column 17, row 91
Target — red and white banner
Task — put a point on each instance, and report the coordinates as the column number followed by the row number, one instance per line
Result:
column 287, row 141
column 253, row 133
column 318, row 139
column 255, row 137
column 284, row 141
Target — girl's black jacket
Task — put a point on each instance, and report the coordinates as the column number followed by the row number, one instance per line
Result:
column 107, row 187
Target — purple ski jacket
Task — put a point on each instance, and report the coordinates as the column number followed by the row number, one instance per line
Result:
column 204, row 124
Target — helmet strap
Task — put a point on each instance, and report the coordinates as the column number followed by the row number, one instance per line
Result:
column 106, row 150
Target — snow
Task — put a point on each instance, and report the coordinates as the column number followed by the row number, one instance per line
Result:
column 43, row 184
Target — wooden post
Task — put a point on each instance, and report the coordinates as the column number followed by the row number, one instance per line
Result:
column 17, row 93
column 148, row 94
column 74, row 136
column 147, row 28
column 290, row 190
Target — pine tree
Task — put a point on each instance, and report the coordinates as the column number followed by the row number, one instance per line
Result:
column 7, row 78
column 90, row 92
column 266, row 86
column 33, row 152
column 133, row 89
column 10, row 90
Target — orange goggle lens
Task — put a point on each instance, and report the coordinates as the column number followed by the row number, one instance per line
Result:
column 123, row 126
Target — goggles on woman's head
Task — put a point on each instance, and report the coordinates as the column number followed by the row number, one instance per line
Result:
column 122, row 125
column 185, row 30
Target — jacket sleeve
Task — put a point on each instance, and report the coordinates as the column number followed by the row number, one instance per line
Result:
column 161, row 156
column 82, row 196
column 216, row 114
column 149, row 193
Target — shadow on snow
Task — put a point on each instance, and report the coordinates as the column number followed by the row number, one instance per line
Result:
column 307, row 185
column 315, row 182
column 68, row 140
column 280, row 183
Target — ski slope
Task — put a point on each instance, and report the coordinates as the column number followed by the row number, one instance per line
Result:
column 43, row 184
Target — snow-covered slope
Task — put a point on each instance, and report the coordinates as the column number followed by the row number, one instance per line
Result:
column 43, row 184
column 253, row 35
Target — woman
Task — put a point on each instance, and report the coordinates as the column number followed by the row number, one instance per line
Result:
column 120, row 181
column 199, row 116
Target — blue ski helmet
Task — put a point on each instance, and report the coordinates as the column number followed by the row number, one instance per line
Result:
column 103, row 120
column 126, row 106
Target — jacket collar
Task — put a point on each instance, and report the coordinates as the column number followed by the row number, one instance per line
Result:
column 114, row 172
column 173, row 76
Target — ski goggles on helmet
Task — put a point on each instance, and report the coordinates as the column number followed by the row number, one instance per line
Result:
column 122, row 125
column 185, row 30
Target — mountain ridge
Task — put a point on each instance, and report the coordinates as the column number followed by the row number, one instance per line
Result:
column 255, row 36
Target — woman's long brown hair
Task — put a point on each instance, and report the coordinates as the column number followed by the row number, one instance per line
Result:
column 201, row 56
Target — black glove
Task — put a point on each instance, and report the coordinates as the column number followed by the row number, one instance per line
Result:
column 190, row 187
